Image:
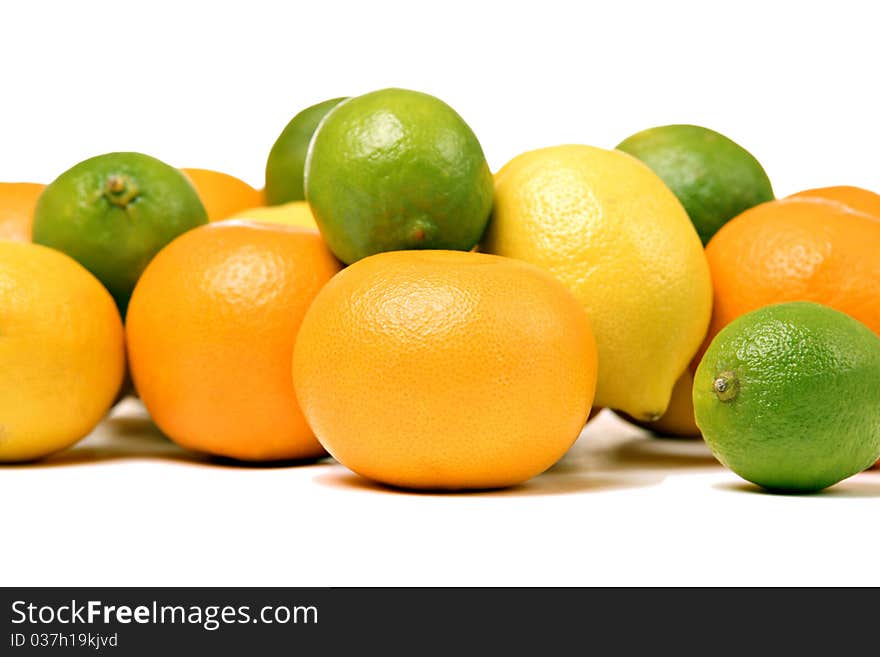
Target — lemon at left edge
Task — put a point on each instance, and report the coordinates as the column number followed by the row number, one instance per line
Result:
column 61, row 351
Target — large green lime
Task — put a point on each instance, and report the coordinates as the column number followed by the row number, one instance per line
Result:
column 714, row 177
column 113, row 213
column 287, row 159
column 788, row 396
column 397, row 169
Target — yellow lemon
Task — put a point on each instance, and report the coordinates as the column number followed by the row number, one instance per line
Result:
column 609, row 228
column 62, row 352
column 295, row 213
column 678, row 421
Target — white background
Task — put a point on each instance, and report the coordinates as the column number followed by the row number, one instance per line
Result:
column 211, row 84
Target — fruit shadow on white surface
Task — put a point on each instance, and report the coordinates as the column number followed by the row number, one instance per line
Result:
column 128, row 434
column 865, row 484
column 610, row 455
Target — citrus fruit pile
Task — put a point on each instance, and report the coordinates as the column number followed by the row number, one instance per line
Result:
column 388, row 301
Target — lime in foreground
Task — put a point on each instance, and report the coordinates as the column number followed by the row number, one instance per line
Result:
column 788, row 396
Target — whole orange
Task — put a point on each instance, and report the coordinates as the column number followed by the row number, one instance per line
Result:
column 798, row 249
column 223, row 195
column 861, row 200
column 17, row 202
column 787, row 250
column 210, row 331
column 445, row 369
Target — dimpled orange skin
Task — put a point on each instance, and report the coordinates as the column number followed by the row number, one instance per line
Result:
column 223, row 195
column 17, row 203
column 211, row 328
column 799, row 249
column 445, row 369
column 861, row 200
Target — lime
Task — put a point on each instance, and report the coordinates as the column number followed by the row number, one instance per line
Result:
column 112, row 213
column 284, row 168
column 714, row 177
column 397, row 169
column 788, row 396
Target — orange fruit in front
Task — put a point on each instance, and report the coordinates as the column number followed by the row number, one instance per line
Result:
column 223, row 195
column 445, row 369
column 799, row 249
column 861, row 200
column 17, row 203
column 210, row 331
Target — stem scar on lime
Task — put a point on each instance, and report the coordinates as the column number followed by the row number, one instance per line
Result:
column 120, row 190
column 726, row 386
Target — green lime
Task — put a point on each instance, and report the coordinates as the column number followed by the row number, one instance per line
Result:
column 788, row 396
column 112, row 213
column 397, row 169
column 287, row 159
column 714, row 177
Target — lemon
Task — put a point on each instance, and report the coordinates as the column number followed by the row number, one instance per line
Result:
column 678, row 420
column 295, row 213
column 609, row 228
column 62, row 351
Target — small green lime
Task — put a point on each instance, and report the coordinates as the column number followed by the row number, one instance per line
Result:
column 112, row 213
column 714, row 177
column 788, row 396
column 287, row 159
column 397, row 169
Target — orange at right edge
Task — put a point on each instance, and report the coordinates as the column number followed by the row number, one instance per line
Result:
column 816, row 245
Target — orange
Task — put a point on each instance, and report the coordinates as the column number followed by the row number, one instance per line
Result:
column 210, row 330
column 861, row 200
column 857, row 198
column 223, row 195
column 445, row 369
column 799, row 249
column 17, row 203
column 787, row 260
